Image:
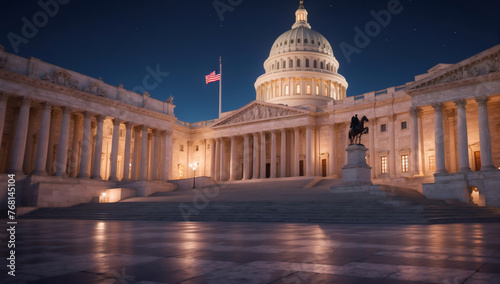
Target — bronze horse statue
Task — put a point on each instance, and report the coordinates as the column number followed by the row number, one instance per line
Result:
column 357, row 131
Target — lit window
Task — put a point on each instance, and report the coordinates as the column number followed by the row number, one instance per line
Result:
column 404, row 163
column 383, row 128
column 317, row 90
column 383, row 165
column 308, row 89
column 404, row 125
column 298, row 89
column 287, row 90
column 432, row 163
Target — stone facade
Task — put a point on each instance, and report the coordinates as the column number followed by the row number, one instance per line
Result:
column 56, row 122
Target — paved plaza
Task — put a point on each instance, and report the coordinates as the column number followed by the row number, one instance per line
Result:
column 147, row 252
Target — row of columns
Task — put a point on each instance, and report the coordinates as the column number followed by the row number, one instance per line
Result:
column 21, row 133
column 462, row 136
column 255, row 158
column 277, row 88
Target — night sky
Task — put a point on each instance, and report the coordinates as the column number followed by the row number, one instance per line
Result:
column 118, row 40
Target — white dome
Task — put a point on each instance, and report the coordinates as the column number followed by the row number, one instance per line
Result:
column 301, row 38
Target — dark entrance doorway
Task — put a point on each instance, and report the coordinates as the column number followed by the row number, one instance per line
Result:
column 323, row 168
column 477, row 160
column 268, row 170
column 301, row 170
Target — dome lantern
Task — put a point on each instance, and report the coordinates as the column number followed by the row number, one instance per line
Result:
column 301, row 17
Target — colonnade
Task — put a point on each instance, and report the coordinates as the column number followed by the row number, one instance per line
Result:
column 261, row 157
column 86, row 154
column 289, row 87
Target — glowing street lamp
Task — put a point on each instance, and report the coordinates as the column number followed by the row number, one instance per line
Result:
column 194, row 167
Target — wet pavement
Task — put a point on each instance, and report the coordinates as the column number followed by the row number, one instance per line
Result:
column 147, row 252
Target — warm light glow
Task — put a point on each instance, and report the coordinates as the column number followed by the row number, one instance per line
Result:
column 194, row 166
column 104, row 194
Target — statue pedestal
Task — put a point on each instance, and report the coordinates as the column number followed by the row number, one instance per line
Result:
column 356, row 171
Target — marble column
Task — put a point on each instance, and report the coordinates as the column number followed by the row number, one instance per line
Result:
column 283, row 154
column 392, row 145
column 75, row 146
column 246, row 157
column 296, row 152
column 223, row 163
column 156, row 154
column 126, row 153
column 233, row 166
column 309, row 169
column 255, row 172
column 373, row 151
column 167, row 153
column 462, row 137
column 263, row 155
column 43, row 140
column 115, row 145
column 62, row 149
column 439, row 139
column 19, row 145
column 450, row 117
column 3, row 107
column 217, row 160
column 333, row 158
column 144, row 154
column 86, row 143
column 484, row 134
column 273, row 154
column 414, row 112
column 212, row 160
column 96, row 174
column 134, row 175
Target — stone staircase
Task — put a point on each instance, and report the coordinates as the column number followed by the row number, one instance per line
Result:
column 279, row 201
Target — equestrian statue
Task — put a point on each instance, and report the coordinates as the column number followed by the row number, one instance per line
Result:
column 357, row 130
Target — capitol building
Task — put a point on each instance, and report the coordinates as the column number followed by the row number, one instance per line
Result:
column 69, row 137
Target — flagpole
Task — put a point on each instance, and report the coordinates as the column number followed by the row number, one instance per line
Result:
column 220, row 87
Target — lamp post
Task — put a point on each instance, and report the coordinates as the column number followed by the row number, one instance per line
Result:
column 194, row 166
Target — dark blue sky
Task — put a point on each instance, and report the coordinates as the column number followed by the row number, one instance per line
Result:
column 117, row 40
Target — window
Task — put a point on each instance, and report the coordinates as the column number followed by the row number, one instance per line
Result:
column 284, row 64
column 404, row 163
column 308, row 89
column 404, row 125
column 432, row 163
column 298, row 40
column 286, row 42
column 298, row 89
column 181, row 148
column 305, row 40
column 291, row 41
column 383, row 128
column 315, row 64
column 383, row 164
column 287, row 90
column 298, row 62
column 197, row 148
column 291, row 63
column 328, row 66
column 272, row 68
column 322, row 65
column 278, row 66
column 307, row 62
column 317, row 90
column 312, row 41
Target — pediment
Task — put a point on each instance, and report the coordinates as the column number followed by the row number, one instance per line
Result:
column 259, row 111
column 484, row 63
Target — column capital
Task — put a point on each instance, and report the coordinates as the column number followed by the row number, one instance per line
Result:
column 27, row 101
column 116, row 122
column 129, row 125
column 4, row 97
column 437, row 106
column 46, row 105
column 415, row 111
column 100, row 118
column 483, row 100
column 66, row 109
column 87, row 115
column 460, row 103
column 156, row 132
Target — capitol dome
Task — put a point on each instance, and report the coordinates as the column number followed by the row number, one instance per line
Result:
column 301, row 68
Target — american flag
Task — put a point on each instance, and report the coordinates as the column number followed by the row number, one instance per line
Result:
column 212, row 77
